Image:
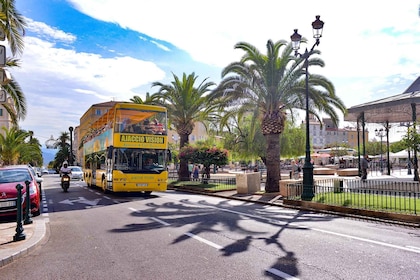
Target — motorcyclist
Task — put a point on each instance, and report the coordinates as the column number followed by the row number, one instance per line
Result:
column 64, row 169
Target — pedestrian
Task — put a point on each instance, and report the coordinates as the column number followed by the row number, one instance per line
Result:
column 295, row 170
column 190, row 169
column 196, row 173
column 364, row 164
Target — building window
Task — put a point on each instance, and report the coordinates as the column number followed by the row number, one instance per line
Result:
column 98, row 112
column 1, row 112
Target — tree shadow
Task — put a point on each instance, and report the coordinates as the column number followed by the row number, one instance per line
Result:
column 202, row 216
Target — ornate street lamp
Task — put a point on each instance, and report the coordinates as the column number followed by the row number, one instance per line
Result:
column 380, row 133
column 71, row 146
column 308, row 168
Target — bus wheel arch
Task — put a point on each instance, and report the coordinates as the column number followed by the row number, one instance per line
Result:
column 104, row 184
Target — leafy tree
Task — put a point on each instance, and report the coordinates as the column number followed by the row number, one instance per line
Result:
column 205, row 156
column 267, row 85
column 292, row 141
column 186, row 103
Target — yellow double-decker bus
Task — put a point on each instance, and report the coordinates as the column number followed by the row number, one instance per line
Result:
column 126, row 149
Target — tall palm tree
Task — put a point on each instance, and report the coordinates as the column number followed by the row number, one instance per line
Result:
column 186, row 103
column 269, row 85
column 13, row 24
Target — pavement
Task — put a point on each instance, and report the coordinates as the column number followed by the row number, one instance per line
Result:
column 36, row 233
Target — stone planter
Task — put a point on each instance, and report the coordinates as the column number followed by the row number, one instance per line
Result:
column 247, row 183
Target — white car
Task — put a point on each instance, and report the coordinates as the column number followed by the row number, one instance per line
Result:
column 76, row 173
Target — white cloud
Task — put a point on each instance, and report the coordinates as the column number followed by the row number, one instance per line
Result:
column 365, row 43
column 357, row 42
column 61, row 84
column 44, row 30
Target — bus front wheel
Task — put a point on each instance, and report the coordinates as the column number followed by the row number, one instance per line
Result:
column 147, row 193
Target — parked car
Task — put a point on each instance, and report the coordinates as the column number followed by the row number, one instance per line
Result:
column 10, row 177
column 38, row 179
column 76, row 173
column 52, row 171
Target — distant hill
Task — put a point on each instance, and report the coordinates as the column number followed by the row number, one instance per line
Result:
column 48, row 155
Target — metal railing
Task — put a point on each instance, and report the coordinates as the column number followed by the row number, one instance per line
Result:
column 378, row 195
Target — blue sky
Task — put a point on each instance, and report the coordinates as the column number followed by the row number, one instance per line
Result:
column 78, row 52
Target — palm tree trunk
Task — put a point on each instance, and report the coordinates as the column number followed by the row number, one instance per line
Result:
column 183, row 173
column 273, row 162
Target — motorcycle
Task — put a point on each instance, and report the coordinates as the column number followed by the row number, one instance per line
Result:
column 65, row 181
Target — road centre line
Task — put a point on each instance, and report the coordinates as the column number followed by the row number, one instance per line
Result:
column 205, row 241
column 281, row 274
column 134, row 209
column 160, row 221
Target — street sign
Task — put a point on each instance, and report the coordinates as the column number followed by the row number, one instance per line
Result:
column 2, row 56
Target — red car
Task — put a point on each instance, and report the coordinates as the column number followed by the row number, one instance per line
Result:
column 10, row 177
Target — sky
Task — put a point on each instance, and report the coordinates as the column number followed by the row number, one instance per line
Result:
column 79, row 53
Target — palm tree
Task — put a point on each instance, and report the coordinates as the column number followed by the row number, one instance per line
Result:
column 270, row 84
column 149, row 100
column 63, row 146
column 13, row 24
column 186, row 104
column 12, row 145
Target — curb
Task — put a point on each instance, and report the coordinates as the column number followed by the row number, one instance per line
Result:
column 40, row 233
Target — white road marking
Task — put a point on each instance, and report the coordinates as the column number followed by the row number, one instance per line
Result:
column 281, row 274
column 205, row 241
column 134, row 210
column 414, row 248
column 160, row 221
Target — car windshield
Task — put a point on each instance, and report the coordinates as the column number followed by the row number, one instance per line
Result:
column 77, row 169
column 14, row 176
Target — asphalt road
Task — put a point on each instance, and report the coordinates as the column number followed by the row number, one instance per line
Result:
column 175, row 235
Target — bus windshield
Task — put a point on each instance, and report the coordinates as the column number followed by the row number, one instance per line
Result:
column 132, row 160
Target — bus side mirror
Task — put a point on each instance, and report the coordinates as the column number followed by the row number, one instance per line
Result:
column 169, row 155
column 110, row 151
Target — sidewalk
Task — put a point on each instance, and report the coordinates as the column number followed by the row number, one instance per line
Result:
column 37, row 232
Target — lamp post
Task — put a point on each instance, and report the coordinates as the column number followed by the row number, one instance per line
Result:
column 71, row 146
column 308, row 168
column 407, row 125
column 380, row 133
